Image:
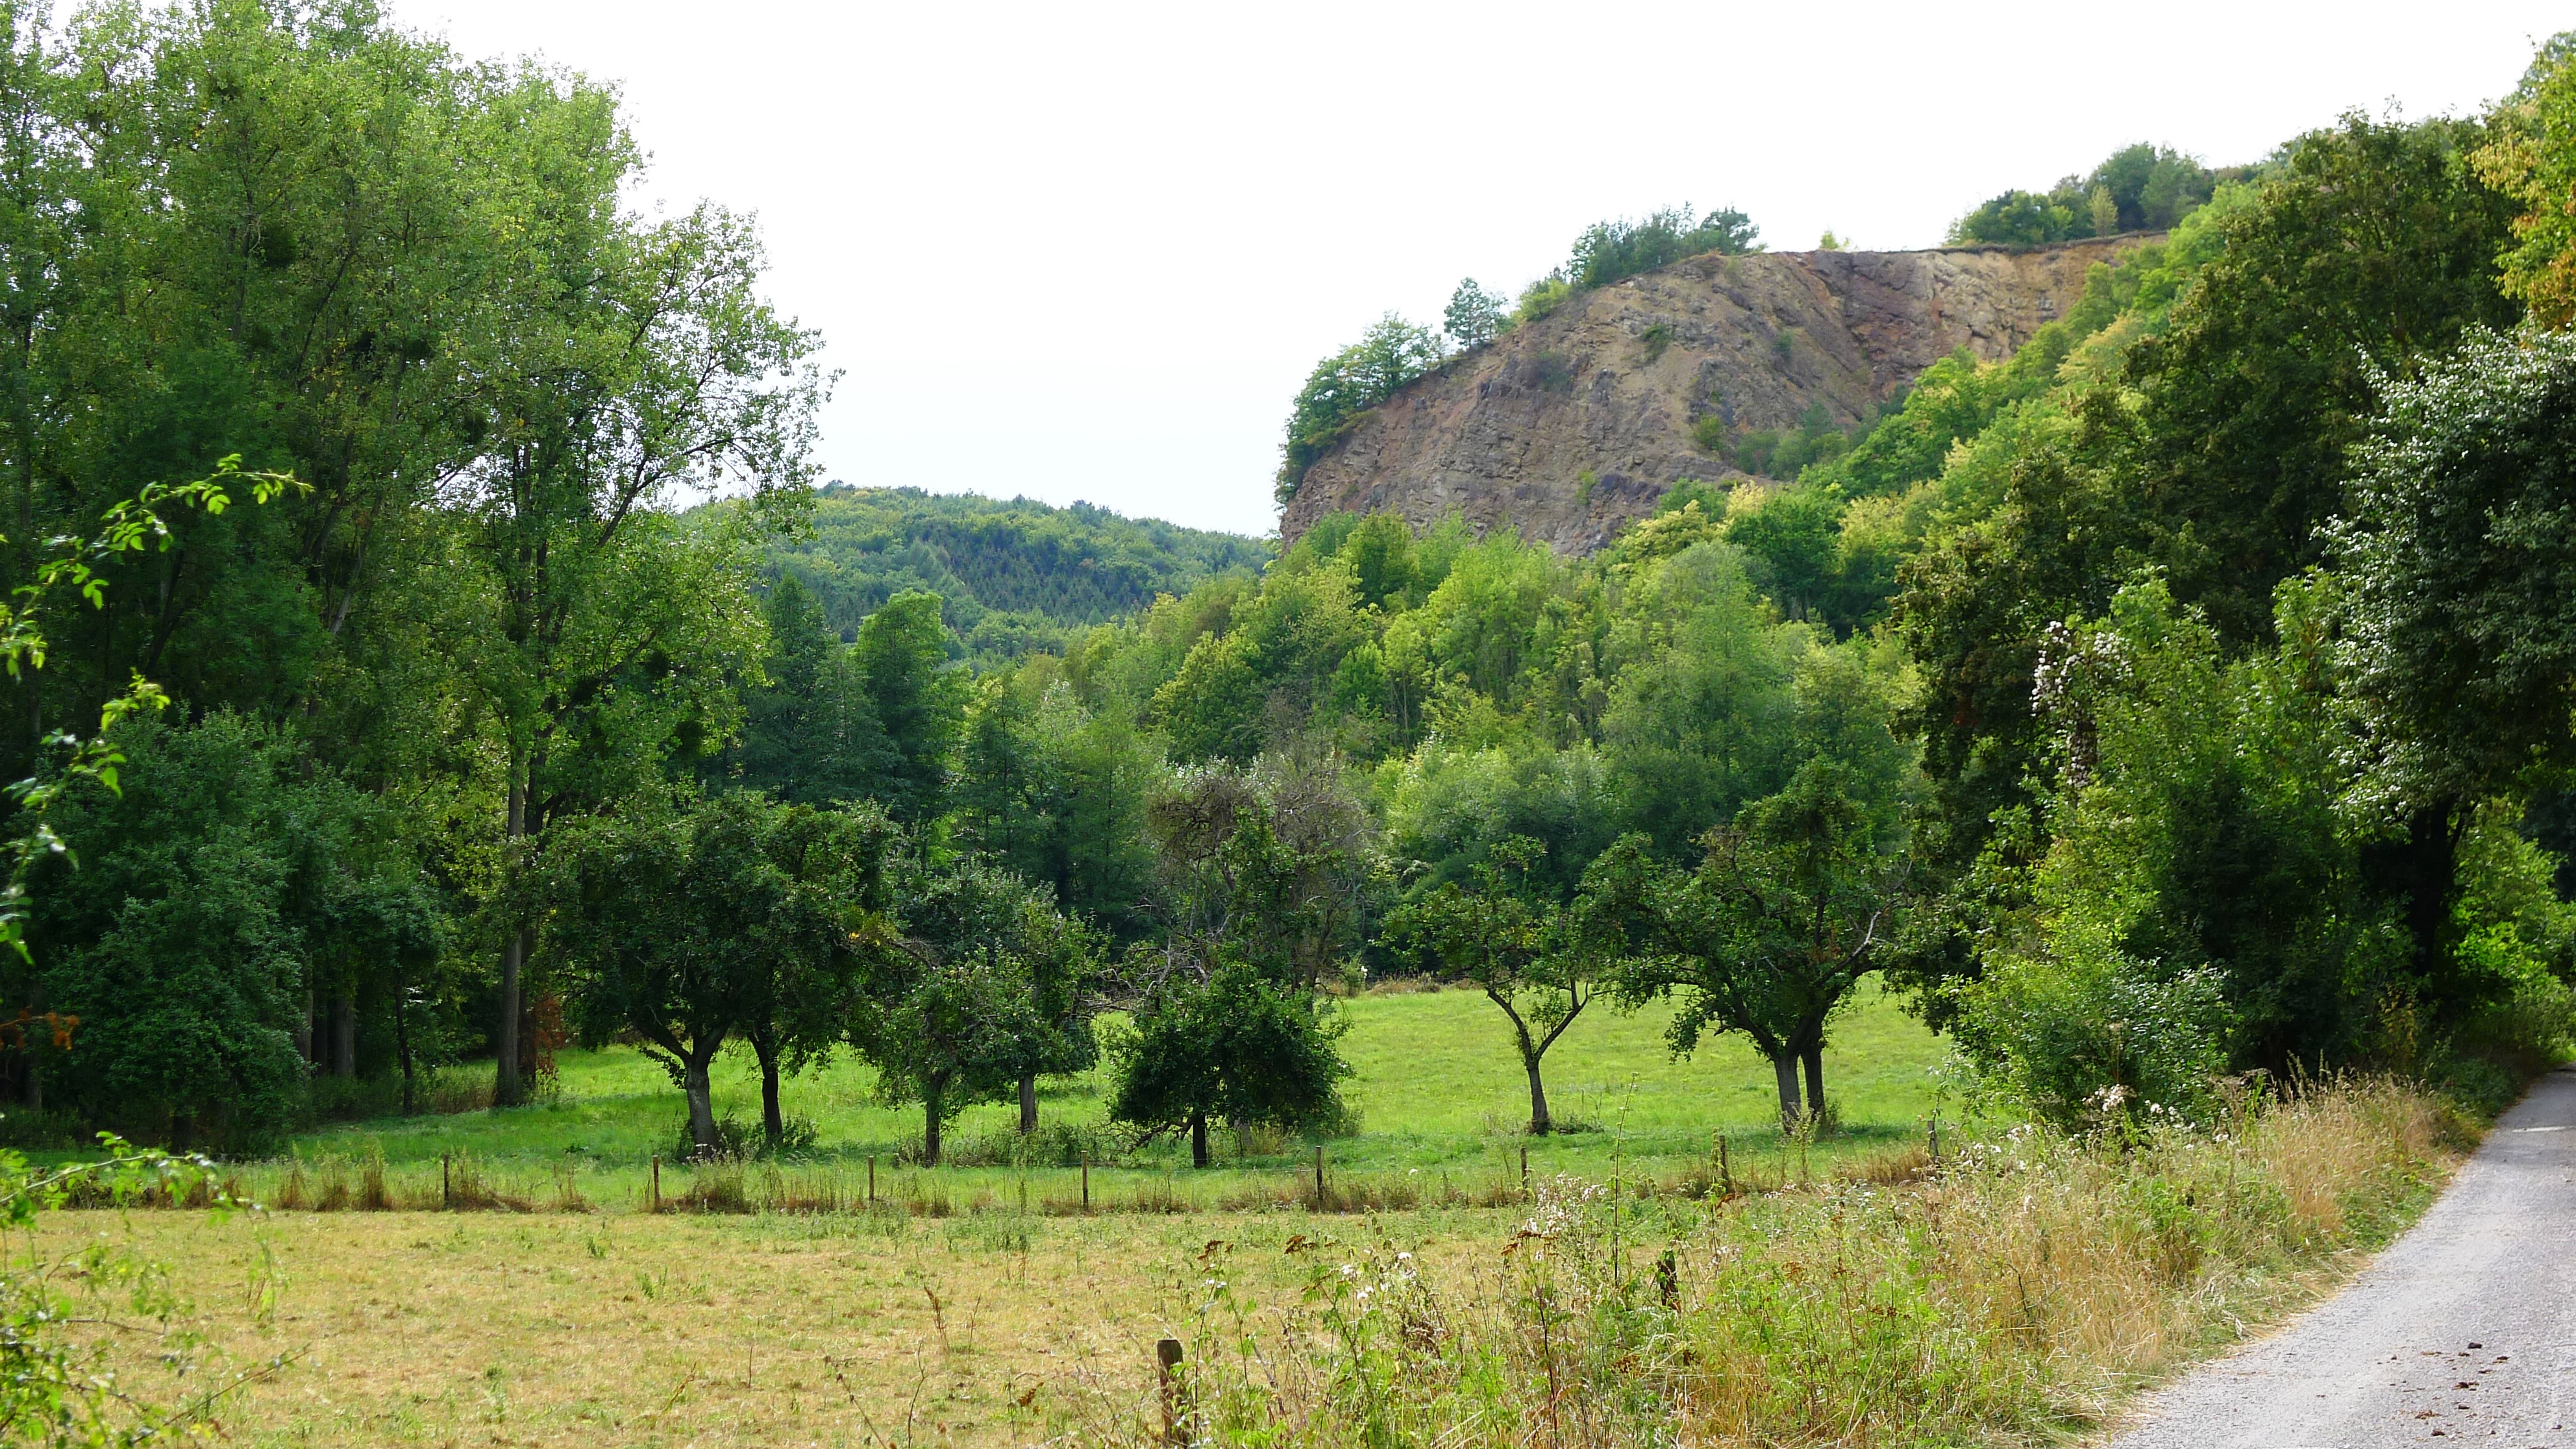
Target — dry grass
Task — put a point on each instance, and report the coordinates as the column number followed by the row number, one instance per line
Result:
column 2012, row 1296
column 410, row 1328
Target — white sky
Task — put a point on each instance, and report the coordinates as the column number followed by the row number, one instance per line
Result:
column 1090, row 251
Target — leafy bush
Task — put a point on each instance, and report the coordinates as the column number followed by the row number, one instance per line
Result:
column 739, row 1140
column 1612, row 251
column 205, row 898
column 1540, row 298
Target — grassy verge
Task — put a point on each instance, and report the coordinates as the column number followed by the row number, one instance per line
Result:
column 2010, row 1296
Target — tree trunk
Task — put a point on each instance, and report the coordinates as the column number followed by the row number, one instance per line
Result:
column 1816, row 1084
column 930, row 1129
column 505, row 1076
column 1198, row 1142
column 304, row 1030
column 1784, row 1068
column 344, row 1037
column 1028, row 1103
column 402, row 1050
column 1540, row 1123
column 2432, row 865
column 32, row 1047
column 773, row 1126
column 514, row 953
column 702, row 1107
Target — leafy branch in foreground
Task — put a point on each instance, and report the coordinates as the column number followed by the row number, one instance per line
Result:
column 52, row 1391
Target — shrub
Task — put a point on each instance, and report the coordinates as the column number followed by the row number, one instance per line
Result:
column 1538, row 299
column 738, row 1140
column 1612, row 251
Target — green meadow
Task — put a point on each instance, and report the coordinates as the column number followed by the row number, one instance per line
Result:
column 1436, row 1090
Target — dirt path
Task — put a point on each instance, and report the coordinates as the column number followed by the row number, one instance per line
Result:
column 2464, row 1331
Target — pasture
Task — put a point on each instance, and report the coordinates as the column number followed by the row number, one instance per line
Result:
column 1438, row 1093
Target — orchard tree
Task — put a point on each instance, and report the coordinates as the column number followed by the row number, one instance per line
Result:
column 1501, row 935
column 1769, row 935
column 691, row 923
column 993, row 988
column 1264, row 877
column 1236, row 1046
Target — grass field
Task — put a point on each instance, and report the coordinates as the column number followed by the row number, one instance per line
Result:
column 1439, row 1094
column 2011, row 1299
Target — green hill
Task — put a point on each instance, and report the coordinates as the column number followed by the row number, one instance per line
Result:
column 1015, row 576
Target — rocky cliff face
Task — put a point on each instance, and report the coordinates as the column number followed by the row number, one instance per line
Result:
column 1576, row 424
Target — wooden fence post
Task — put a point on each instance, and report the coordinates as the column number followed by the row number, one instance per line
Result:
column 1167, row 1358
column 1725, row 1170
column 1319, row 1178
column 657, row 1182
column 446, row 1192
column 872, row 1179
column 1086, row 1182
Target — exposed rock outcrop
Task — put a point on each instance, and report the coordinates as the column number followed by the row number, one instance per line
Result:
column 1574, row 425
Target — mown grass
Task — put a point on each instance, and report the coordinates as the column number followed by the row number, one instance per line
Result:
column 1439, row 1095
column 2011, row 1297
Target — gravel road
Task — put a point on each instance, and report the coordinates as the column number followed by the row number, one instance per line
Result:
column 2463, row 1331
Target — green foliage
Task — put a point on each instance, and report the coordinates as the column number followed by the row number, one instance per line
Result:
column 992, row 987
column 810, row 733
column 1501, row 932
column 900, row 666
column 692, row 923
column 1013, row 578
column 1055, row 791
column 1706, row 723
column 2460, row 543
column 1343, row 387
column 227, row 880
column 1474, row 317
column 1236, row 1047
column 2370, row 250
column 2530, row 156
column 1613, row 251
column 1539, row 299
column 2218, row 453
column 2203, row 856
column 2138, row 188
column 1773, row 931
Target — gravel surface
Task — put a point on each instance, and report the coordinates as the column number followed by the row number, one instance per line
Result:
column 2464, row 1331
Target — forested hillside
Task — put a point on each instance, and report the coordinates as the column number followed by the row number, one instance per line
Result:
column 1012, row 576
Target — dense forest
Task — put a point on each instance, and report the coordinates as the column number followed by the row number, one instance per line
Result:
column 432, row 649
column 1011, row 577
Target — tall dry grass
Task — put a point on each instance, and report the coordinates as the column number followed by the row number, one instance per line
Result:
column 2012, row 1295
